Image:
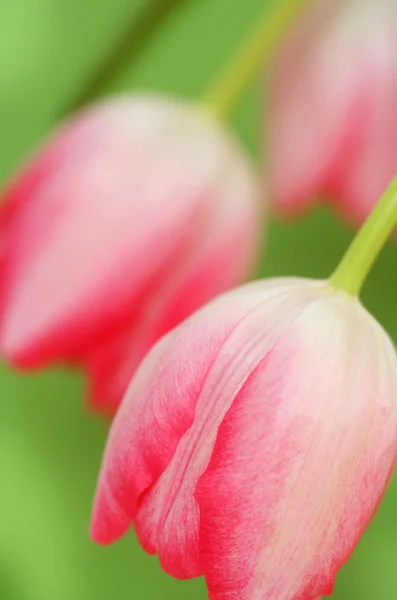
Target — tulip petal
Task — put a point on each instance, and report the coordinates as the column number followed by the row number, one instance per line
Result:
column 200, row 275
column 117, row 201
column 333, row 93
column 167, row 521
column 314, row 124
column 376, row 163
column 159, row 409
column 301, row 459
column 71, row 245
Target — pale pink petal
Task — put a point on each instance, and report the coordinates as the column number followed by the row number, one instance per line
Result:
column 159, row 409
column 255, row 442
column 332, row 99
column 119, row 199
column 376, row 164
column 317, row 100
column 187, row 398
column 301, row 459
column 168, row 518
column 220, row 257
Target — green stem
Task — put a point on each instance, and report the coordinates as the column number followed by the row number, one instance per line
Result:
column 131, row 42
column 366, row 246
column 259, row 48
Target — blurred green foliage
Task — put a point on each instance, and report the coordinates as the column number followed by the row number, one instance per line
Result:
column 50, row 446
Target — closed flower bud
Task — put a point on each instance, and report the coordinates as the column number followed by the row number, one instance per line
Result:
column 332, row 105
column 255, row 441
column 131, row 217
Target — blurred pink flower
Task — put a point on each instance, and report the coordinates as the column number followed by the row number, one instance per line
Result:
column 255, row 442
column 332, row 105
column 136, row 213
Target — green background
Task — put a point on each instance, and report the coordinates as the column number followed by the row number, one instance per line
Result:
column 50, row 446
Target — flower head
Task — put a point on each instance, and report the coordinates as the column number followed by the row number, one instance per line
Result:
column 256, row 441
column 135, row 213
column 332, row 104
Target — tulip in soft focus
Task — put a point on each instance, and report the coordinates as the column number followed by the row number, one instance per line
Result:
column 136, row 213
column 256, row 441
column 332, row 105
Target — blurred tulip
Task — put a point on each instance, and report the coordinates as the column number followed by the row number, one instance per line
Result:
column 256, row 441
column 332, row 102
column 136, row 213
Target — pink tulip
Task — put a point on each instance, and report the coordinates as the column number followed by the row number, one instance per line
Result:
column 136, row 213
column 255, row 442
column 332, row 108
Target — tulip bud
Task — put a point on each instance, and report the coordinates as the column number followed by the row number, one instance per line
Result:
column 332, row 102
column 136, row 213
column 255, row 441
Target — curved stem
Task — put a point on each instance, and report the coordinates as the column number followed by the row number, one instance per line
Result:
column 366, row 246
column 258, row 48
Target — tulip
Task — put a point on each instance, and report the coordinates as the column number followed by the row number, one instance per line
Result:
column 255, row 441
column 133, row 215
column 332, row 100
